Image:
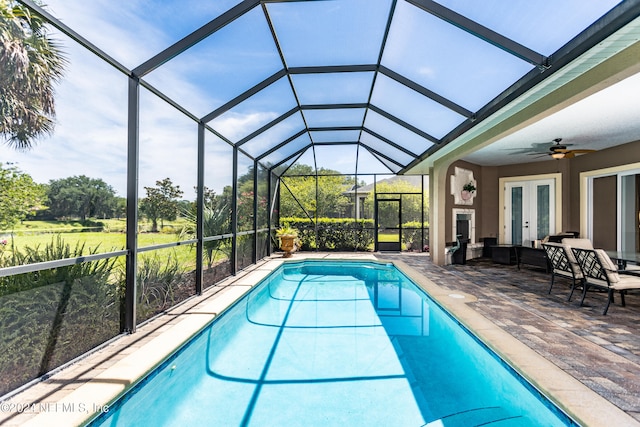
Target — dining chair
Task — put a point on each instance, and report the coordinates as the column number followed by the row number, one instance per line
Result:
column 561, row 265
column 600, row 272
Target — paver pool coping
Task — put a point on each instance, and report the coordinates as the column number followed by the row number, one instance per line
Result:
column 584, row 405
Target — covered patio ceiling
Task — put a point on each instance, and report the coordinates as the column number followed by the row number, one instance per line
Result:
column 363, row 86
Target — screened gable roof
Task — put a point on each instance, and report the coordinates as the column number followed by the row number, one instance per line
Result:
column 365, row 86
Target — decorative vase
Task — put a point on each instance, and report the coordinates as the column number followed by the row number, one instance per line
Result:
column 288, row 245
column 466, row 195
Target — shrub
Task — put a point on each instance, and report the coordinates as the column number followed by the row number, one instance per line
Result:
column 51, row 316
column 57, row 249
column 342, row 234
column 412, row 234
column 339, row 234
column 161, row 282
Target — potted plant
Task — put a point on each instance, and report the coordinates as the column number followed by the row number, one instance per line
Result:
column 288, row 237
column 468, row 190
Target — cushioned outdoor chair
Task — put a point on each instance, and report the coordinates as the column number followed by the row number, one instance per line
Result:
column 559, row 257
column 600, row 272
column 563, row 262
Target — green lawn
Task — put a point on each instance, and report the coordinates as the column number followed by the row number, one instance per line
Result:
column 109, row 225
column 388, row 237
column 33, row 234
column 103, row 242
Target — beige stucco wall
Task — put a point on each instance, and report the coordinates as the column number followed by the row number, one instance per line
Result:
column 476, row 205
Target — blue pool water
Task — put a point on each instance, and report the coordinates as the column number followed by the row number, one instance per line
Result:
column 322, row 343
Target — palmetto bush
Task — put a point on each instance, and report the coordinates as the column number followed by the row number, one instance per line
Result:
column 51, row 316
column 55, row 250
column 162, row 282
column 215, row 222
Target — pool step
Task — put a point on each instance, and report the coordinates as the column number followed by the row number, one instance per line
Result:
column 485, row 416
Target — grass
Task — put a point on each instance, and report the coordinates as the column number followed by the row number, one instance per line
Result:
column 105, row 242
column 393, row 237
column 32, row 234
column 108, row 225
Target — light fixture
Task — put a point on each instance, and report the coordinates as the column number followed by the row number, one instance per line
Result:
column 557, row 155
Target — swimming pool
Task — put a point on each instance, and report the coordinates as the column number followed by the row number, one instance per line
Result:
column 328, row 343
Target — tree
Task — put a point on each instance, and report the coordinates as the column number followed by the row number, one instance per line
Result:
column 161, row 202
column 331, row 202
column 411, row 203
column 30, row 64
column 120, row 207
column 19, row 196
column 81, row 196
column 298, row 192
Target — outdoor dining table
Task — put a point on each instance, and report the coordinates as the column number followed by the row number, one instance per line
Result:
column 623, row 257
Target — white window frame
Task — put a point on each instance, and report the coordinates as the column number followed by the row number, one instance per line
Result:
column 586, row 197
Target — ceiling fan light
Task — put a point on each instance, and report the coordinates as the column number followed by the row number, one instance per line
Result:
column 557, row 155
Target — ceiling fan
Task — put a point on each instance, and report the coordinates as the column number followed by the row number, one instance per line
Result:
column 558, row 151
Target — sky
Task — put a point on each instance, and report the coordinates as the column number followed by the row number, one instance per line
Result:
column 90, row 137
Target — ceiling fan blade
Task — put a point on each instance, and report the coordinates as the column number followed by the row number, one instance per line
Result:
column 572, row 153
column 582, row 151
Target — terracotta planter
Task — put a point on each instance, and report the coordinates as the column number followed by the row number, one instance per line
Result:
column 288, row 244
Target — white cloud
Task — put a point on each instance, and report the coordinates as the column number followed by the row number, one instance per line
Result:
column 120, row 31
column 427, row 71
column 234, row 125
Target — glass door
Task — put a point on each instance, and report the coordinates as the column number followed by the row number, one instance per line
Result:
column 629, row 213
column 389, row 230
column 529, row 211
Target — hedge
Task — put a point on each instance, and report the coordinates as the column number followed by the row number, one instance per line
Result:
column 348, row 234
column 334, row 234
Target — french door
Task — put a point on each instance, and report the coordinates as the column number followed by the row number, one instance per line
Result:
column 529, row 211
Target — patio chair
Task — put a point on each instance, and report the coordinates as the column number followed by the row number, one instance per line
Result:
column 600, row 272
column 563, row 262
column 560, row 257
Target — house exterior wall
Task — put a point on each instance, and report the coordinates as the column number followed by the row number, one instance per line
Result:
column 486, row 202
column 611, row 157
column 477, row 202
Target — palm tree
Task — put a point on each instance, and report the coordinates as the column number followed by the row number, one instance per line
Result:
column 215, row 222
column 30, row 64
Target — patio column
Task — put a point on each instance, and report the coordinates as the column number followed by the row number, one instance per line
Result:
column 437, row 204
